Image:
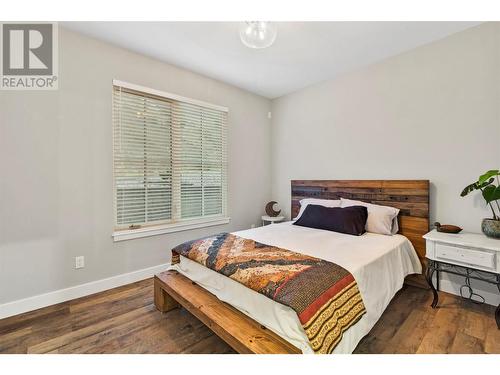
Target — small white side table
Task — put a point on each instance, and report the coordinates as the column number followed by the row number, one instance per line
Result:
column 271, row 220
column 471, row 255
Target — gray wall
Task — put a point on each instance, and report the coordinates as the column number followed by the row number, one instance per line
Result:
column 56, row 168
column 431, row 113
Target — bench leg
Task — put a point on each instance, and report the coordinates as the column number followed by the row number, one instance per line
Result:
column 163, row 301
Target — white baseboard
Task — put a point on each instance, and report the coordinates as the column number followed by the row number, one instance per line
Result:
column 82, row 290
column 77, row 291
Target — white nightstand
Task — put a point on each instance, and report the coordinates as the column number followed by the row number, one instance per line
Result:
column 271, row 220
column 471, row 255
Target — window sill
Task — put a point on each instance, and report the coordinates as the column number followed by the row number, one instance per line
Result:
column 130, row 234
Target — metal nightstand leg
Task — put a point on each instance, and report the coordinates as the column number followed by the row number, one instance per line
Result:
column 497, row 311
column 428, row 275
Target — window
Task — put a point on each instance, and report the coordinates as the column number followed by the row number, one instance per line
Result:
column 170, row 164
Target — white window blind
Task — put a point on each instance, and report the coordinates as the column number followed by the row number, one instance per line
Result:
column 170, row 158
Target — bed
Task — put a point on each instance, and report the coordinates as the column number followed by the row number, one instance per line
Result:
column 379, row 263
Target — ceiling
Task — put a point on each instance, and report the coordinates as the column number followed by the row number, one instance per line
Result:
column 304, row 52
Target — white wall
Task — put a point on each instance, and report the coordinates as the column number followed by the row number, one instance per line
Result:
column 56, row 198
column 431, row 113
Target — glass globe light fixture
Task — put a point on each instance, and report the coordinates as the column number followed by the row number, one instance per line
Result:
column 258, row 34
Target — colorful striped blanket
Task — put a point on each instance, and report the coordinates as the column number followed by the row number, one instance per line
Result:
column 324, row 295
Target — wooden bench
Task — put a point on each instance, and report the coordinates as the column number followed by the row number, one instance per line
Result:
column 242, row 333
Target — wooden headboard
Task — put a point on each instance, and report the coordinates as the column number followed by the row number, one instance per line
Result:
column 410, row 196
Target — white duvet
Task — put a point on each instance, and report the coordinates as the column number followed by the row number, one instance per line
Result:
column 379, row 264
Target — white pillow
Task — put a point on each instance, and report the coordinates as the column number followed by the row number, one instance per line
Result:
column 318, row 202
column 381, row 219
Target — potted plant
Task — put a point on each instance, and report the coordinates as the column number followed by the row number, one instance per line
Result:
column 491, row 194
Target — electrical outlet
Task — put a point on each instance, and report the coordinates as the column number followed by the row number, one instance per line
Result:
column 253, row 225
column 79, row 262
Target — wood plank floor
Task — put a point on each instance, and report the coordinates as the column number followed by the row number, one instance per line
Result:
column 124, row 320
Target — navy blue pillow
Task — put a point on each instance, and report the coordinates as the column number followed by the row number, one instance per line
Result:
column 348, row 220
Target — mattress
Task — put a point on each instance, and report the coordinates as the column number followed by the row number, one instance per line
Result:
column 379, row 264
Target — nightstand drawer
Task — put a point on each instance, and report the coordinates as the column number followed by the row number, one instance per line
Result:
column 467, row 256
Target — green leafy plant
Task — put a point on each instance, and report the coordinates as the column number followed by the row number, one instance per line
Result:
column 490, row 191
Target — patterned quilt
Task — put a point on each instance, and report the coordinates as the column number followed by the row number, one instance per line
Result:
column 324, row 295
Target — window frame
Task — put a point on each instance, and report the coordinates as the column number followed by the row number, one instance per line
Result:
column 152, row 229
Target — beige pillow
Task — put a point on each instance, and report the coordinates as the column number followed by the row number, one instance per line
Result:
column 319, row 202
column 381, row 219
